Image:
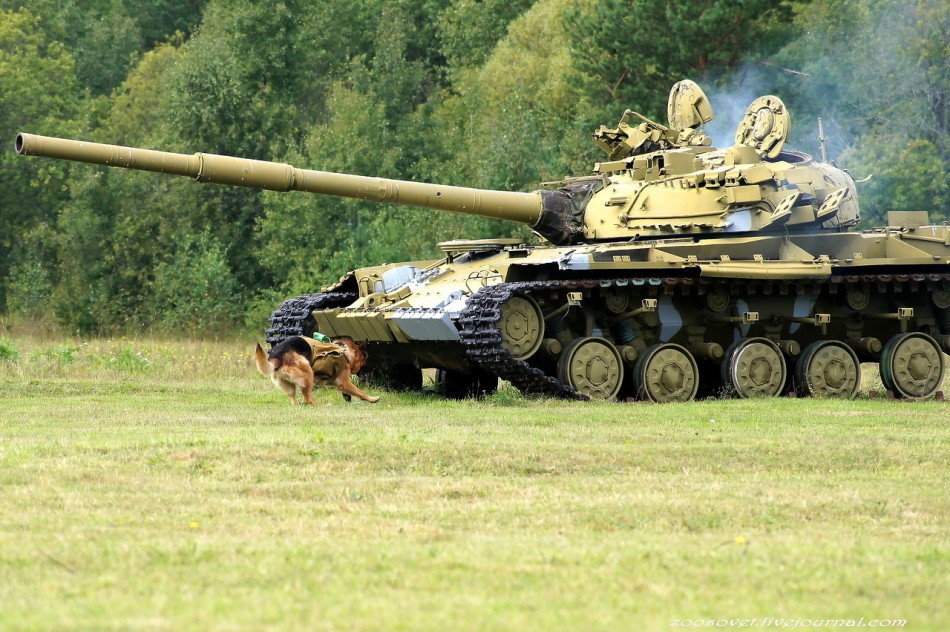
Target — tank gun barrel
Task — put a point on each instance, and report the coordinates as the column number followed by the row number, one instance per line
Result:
column 274, row 176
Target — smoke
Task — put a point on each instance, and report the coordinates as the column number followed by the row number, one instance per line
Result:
column 879, row 81
column 730, row 100
column 858, row 73
column 732, row 96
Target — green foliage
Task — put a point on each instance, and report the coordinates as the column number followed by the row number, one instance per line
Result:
column 405, row 64
column 631, row 51
column 100, row 35
column 470, row 29
column 29, row 289
column 159, row 19
column 515, row 111
column 65, row 354
column 139, row 111
column 877, row 74
column 106, row 37
column 130, row 361
column 306, row 238
column 8, row 351
column 305, row 241
column 30, row 282
column 193, row 290
column 906, row 175
column 484, row 93
column 38, row 92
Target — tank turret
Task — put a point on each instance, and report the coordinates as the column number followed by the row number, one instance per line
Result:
column 661, row 180
column 677, row 270
column 667, row 180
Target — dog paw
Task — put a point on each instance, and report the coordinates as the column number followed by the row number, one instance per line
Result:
column 373, row 400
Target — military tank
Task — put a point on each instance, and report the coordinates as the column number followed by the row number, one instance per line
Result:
column 675, row 270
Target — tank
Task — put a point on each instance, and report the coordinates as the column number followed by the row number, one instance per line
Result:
column 675, row 270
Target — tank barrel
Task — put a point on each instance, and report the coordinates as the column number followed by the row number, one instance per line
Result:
column 274, row 176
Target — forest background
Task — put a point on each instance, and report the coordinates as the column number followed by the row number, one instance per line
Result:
column 499, row 94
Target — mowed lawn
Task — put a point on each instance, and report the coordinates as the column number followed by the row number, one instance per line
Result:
column 149, row 485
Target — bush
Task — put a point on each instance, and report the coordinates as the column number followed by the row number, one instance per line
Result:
column 62, row 355
column 8, row 351
column 128, row 359
column 28, row 289
column 195, row 292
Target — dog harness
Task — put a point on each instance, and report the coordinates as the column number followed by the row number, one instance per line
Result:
column 327, row 360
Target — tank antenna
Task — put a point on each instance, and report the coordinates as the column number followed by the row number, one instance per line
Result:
column 821, row 140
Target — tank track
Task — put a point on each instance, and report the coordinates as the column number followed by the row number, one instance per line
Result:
column 482, row 338
column 294, row 317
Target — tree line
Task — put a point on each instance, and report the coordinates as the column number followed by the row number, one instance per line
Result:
column 499, row 94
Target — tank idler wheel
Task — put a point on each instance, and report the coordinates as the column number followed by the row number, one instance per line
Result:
column 828, row 369
column 456, row 385
column 754, row 367
column 912, row 365
column 521, row 326
column 666, row 373
column 592, row 366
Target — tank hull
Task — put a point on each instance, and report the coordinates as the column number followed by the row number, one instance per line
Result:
column 665, row 320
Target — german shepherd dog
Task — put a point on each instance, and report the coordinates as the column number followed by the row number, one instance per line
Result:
column 303, row 362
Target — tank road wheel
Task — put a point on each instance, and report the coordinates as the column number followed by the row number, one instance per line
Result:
column 592, row 366
column 912, row 365
column 754, row 367
column 666, row 373
column 828, row 369
column 521, row 325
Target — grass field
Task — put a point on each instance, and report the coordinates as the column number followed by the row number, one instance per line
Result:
column 149, row 485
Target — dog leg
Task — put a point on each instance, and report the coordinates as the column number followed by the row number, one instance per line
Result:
column 347, row 398
column 307, row 389
column 349, row 388
column 289, row 389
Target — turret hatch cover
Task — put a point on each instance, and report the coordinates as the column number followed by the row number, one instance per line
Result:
column 688, row 106
column 765, row 126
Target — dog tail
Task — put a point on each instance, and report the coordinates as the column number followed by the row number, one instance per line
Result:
column 264, row 365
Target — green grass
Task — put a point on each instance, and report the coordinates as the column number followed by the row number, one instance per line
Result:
column 167, row 486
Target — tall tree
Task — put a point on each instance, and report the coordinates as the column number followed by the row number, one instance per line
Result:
column 470, row 29
column 373, row 123
column 38, row 93
column 106, row 37
column 631, row 51
column 877, row 73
